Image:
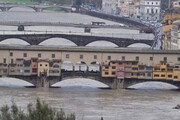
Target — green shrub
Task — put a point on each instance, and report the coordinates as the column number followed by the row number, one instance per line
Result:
column 41, row 111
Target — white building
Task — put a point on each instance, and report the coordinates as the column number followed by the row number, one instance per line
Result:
column 150, row 10
column 175, row 36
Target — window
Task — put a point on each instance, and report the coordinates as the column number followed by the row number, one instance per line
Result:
column 162, row 75
column 81, row 56
column 163, row 69
column 40, row 64
column 123, row 57
column 165, row 58
column 26, row 71
column 25, row 55
column 151, row 58
column 46, row 65
column 156, row 75
column 106, row 73
column 4, row 60
column 137, row 58
column 95, row 56
column 11, row 53
column 178, row 59
column 39, row 54
column 106, row 67
column 113, row 67
column 67, row 56
column 156, row 11
column 53, row 56
column 12, row 61
column 147, row 10
column 147, row 2
column 109, row 57
column 169, row 76
column 113, row 73
column 149, row 74
column 175, row 77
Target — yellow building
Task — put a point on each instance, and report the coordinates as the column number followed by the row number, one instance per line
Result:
column 176, row 72
column 109, row 70
column 159, row 71
column 43, row 68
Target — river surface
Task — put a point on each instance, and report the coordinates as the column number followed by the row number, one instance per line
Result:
column 150, row 101
column 91, row 104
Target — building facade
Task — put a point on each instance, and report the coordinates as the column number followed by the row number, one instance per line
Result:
column 150, row 10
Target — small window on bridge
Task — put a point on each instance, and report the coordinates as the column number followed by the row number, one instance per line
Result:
column 109, row 57
column 81, row 56
column 25, row 55
column 67, row 56
column 123, row 57
column 95, row 56
column 39, row 54
column 178, row 58
column 53, row 56
column 151, row 58
column 137, row 58
column 11, row 53
column 165, row 58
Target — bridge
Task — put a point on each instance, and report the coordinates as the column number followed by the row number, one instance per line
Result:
column 38, row 8
column 79, row 40
column 17, row 62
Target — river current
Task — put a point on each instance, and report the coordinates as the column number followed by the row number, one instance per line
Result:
column 150, row 101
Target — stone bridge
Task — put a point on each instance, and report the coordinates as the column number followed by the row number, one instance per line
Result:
column 38, row 8
column 113, row 83
column 79, row 40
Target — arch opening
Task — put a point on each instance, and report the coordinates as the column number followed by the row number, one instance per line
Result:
column 80, row 83
column 21, row 9
column 57, row 42
column 14, row 82
column 139, row 45
column 80, row 66
column 153, row 85
column 14, row 41
column 101, row 43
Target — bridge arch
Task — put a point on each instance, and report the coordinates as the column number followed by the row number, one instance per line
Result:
column 80, row 82
column 15, row 82
column 102, row 43
column 58, row 41
column 129, row 82
column 153, row 85
column 22, row 8
column 141, row 45
column 14, row 41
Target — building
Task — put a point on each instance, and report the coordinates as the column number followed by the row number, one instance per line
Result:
column 43, row 68
column 176, row 4
column 167, row 21
column 175, row 36
column 150, row 10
